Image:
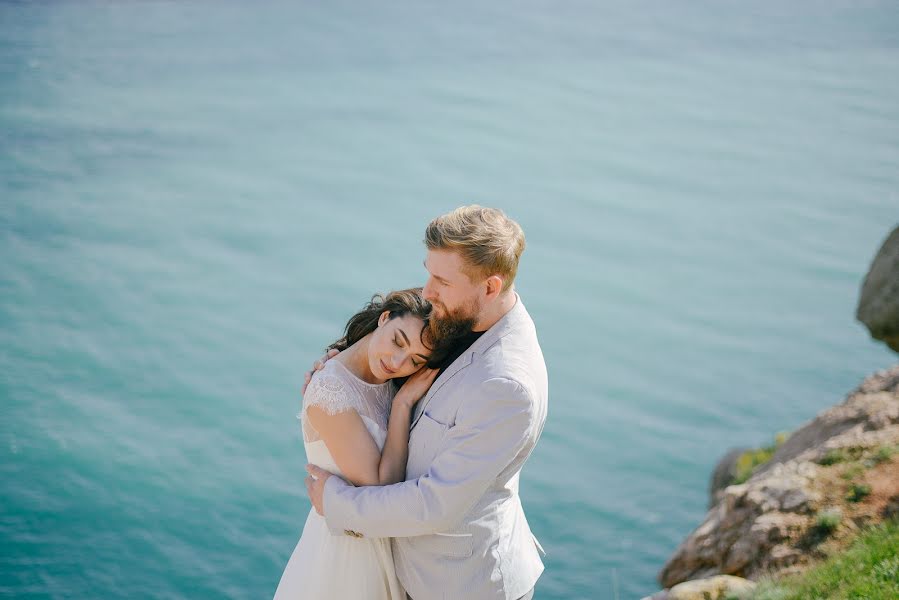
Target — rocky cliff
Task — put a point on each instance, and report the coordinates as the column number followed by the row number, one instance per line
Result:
column 832, row 476
column 775, row 510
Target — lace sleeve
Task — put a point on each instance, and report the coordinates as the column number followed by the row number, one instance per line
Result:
column 331, row 394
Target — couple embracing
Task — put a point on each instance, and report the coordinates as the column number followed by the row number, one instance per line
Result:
column 417, row 430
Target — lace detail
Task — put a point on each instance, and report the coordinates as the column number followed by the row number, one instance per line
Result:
column 335, row 389
column 330, row 394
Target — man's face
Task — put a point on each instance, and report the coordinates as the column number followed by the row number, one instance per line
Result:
column 449, row 290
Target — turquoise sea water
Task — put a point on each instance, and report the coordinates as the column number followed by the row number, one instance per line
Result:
column 195, row 195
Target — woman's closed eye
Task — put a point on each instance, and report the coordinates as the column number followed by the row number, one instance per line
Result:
column 400, row 343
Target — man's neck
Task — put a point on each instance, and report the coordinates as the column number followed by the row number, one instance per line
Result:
column 490, row 316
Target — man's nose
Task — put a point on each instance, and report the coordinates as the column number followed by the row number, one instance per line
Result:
column 428, row 291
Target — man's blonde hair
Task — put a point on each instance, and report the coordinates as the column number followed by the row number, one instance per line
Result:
column 489, row 242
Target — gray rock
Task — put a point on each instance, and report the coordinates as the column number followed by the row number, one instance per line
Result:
column 878, row 305
column 724, row 473
column 719, row 587
column 756, row 526
column 873, row 406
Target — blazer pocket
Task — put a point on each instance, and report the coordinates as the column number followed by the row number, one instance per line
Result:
column 457, row 545
column 430, row 417
column 424, row 442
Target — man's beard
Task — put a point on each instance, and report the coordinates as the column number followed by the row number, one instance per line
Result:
column 456, row 323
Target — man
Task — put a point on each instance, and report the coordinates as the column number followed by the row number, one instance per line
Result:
column 457, row 523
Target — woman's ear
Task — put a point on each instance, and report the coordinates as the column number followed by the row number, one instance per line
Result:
column 385, row 316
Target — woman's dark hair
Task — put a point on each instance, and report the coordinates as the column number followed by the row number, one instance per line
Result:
column 399, row 303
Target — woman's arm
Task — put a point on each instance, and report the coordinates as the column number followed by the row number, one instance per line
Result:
column 495, row 430
column 351, row 444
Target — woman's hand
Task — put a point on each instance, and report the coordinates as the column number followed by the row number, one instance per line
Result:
column 416, row 387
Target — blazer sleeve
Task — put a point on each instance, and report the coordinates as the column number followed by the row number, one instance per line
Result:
column 492, row 428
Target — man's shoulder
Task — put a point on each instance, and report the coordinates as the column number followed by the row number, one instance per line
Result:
column 519, row 338
column 515, row 356
column 511, row 352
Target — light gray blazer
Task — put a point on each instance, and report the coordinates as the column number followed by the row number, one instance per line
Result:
column 457, row 522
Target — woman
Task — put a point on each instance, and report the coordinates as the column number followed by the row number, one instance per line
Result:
column 355, row 421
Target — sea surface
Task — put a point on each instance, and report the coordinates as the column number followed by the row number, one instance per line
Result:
column 194, row 196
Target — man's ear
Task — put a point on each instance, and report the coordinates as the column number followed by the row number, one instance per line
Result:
column 385, row 316
column 494, row 286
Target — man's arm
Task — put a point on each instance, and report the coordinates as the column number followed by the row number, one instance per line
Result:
column 492, row 427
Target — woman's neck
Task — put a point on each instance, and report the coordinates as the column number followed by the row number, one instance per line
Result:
column 355, row 358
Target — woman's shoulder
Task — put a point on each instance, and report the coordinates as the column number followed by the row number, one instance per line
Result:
column 331, row 389
column 333, row 373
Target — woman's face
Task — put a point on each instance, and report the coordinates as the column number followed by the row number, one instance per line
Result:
column 396, row 349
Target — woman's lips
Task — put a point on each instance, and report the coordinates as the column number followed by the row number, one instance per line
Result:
column 386, row 370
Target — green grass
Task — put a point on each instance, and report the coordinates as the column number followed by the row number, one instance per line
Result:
column 868, row 570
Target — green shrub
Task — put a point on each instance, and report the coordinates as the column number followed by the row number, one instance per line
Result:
column 857, row 491
column 833, row 456
column 828, row 520
column 852, row 472
column 883, row 454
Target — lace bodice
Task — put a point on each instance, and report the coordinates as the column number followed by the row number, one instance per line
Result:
column 335, row 389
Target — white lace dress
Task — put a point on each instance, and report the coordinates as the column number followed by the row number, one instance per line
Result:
column 324, row 566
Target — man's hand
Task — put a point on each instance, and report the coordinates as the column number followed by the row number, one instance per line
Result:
column 315, row 487
column 318, row 366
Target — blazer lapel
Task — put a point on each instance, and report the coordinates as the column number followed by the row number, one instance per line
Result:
column 460, row 363
column 499, row 329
